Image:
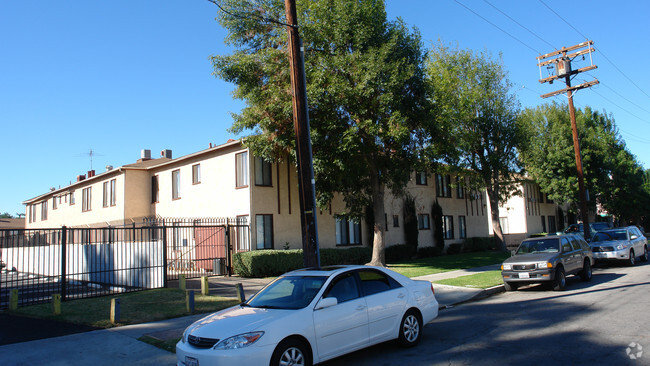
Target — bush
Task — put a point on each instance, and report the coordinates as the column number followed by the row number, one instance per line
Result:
column 455, row 248
column 400, row 252
column 268, row 263
column 426, row 252
column 479, row 244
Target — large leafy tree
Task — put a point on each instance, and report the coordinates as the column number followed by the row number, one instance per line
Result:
column 612, row 175
column 472, row 93
column 366, row 95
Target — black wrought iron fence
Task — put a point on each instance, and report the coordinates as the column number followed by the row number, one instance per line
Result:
column 88, row 262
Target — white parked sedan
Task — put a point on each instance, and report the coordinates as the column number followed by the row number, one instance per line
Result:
column 311, row 315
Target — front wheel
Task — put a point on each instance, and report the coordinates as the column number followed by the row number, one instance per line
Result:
column 510, row 286
column 410, row 330
column 290, row 352
column 585, row 274
column 560, row 280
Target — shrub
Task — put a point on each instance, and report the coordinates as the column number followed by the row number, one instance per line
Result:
column 479, row 244
column 455, row 248
column 436, row 215
column 396, row 253
column 411, row 231
column 267, row 263
column 426, row 252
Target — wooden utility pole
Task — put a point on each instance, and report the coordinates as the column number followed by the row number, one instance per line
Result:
column 306, row 182
column 563, row 69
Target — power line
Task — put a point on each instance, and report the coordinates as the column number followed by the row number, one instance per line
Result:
column 519, row 24
column 558, row 15
column 250, row 15
column 622, row 96
column 632, row 114
column 495, row 26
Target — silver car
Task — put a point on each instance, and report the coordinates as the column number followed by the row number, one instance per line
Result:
column 548, row 260
column 622, row 244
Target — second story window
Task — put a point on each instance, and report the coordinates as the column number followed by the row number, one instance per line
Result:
column 196, row 174
column 460, row 187
column 241, row 170
column 86, row 198
column 262, row 172
column 443, row 188
column 423, row 222
column 176, row 184
column 44, row 210
column 154, row 189
column 113, row 192
column 421, row 178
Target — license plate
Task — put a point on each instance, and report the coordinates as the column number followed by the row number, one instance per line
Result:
column 524, row 275
column 191, row 361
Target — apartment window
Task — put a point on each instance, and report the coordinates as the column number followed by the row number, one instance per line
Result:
column 460, row 187
column 106, row 198
column 86, row 197
column 264, row 229
column 196, row 174
column 462, row 228
column 443, row 185
column 348, row 232
column 395, row 220
column 505, row 226
column 113, row 192
column 55, row 203
column 32, row 213
column 262, row 172
column 154, row 189
column 448, row 227
column 44, row 210
column 552, row 228
column 243, row 238
column 72, row 199
column 421, row 178
column 423, row 222
column 176, row 184
column 241, row 170
column 543, row 224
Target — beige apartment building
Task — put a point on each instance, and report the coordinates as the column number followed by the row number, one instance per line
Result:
column 227, row 181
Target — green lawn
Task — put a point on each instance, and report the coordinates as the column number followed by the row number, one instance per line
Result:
column 446, row 263
column 479, row 280
column 135, row 307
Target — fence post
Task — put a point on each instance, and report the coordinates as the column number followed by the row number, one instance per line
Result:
column 64, row 261
column 189, row 301
column 181, row 282
column 228, row 249
column 164, row 248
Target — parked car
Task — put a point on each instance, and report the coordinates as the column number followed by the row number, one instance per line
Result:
column 594, row 227
column 622, row 244
column 312, row 315
column 548, row 260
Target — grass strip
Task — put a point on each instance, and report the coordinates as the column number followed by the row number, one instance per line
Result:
column 479, row 280
column 433, row 265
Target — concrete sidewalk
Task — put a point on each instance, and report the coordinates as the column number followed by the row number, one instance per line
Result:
column 119, row 346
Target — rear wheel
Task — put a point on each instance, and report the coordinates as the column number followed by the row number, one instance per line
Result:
column 510, row 286
column 290, row 352
column 585, row 274
column 410, row 330
column 632, row 259
column 644, row 257
column 559, row 283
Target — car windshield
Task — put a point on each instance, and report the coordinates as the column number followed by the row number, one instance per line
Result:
column 610, row 235
column 292, row 292
column 539, row 246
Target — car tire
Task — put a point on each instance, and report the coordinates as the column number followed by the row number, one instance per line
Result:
column 585, row 274
column 510, row 286
column 632, row 259
column 291, row 352
column 644, row 257
column 559, row 283
column 410, row 329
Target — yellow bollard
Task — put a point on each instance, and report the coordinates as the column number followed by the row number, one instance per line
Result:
column 240, row 292
column 205, row 286
column 181, row 282
column 13, row 300
column 115, row 311
column 56, row 304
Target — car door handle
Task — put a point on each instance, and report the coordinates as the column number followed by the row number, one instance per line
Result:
column 401, row 296
column 361, row 307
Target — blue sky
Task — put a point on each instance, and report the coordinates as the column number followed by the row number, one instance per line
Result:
column 119, row 76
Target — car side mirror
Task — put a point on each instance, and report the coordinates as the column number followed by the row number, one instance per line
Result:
column 326, row 302
column 633, row 237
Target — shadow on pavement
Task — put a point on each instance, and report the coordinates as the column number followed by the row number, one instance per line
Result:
column 16, row 329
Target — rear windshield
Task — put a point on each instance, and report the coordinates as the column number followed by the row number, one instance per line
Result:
column 539, row 246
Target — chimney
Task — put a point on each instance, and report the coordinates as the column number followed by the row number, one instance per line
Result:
column 166, row 154
column 91, row 173
column 80, row 177
column 145, row 155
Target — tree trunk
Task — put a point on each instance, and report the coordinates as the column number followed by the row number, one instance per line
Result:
column 493, row 196
column 378, row 244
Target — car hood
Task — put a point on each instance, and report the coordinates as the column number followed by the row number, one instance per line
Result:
column 236, row 320
column 609, row 243
column 533, row 257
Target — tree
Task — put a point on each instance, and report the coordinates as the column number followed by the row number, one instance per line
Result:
column 411, row 231
column 613, row 177
column 366, row 94
column 6, row 215
column 436, row 217
column 472, row 91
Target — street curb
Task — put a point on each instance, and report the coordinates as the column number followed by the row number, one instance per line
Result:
column 479, row 296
